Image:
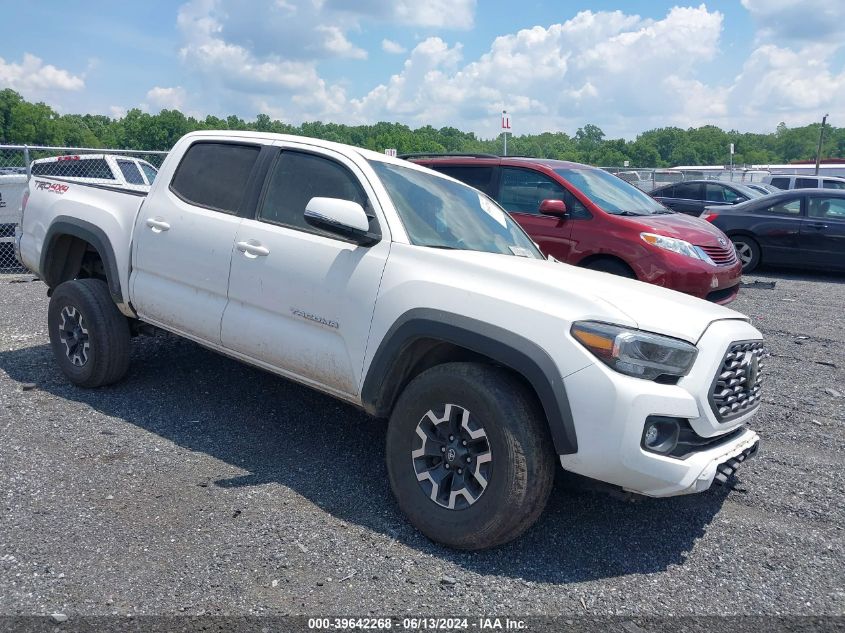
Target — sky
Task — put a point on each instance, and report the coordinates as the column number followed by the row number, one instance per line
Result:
column 624, row 65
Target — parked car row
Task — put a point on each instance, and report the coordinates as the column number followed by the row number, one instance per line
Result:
column 802, row 227
column 585, row 216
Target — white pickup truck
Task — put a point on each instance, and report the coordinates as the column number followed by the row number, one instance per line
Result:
column 416, row 298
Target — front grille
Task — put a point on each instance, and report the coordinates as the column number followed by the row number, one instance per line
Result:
column 721, row 255
column 7, row 230
column 738, row 385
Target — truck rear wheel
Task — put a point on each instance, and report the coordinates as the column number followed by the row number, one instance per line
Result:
column 88, row 334
column 469, row 456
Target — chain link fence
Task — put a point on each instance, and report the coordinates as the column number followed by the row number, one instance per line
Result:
column 121, row 169
column 649, row 178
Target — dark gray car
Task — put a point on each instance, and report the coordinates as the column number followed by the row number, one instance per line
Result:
column 691, row 196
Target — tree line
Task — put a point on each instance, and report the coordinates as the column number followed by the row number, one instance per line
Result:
column 23, row 122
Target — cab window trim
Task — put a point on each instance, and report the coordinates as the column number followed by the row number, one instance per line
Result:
column 275, row 156
column 241, row 211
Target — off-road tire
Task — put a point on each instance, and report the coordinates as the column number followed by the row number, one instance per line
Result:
column 522, row 462
column 107, row 356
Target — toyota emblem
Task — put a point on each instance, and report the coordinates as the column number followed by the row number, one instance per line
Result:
column 723, row 241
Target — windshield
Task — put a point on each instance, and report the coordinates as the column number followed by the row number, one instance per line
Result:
column 441, row 213
column 613, row 195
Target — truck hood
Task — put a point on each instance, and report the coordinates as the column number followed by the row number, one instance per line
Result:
column 649, row 307
column 680, row 226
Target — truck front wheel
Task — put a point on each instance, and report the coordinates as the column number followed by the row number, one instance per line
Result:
column 469, row 456
column 88, row 334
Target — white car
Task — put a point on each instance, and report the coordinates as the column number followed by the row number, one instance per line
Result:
column 797, row 181
column 125, row 172
column 416, row 298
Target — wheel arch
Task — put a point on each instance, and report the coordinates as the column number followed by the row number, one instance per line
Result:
column 423, row 338
column 591, row 259
column 65, row 245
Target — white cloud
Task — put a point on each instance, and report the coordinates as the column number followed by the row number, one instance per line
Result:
column 166, row 98
column 335, row 42
column 798, row 21
column 34, row 79
column 117, row 112
column 454, row 14
column 394, row 48
column 623, row 72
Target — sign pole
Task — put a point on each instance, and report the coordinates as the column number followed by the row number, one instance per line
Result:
column 506, row 126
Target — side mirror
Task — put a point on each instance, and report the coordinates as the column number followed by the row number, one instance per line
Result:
column 556, row 208
column 341, row 217
column 739, row 199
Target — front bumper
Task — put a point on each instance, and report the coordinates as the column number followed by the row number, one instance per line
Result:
column 610, row 410
column 719, row 284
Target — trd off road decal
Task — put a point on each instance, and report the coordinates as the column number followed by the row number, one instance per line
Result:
column 51, row 186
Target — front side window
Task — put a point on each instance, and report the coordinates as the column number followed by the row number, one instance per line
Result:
column 806, row 183
column 717, row 193
column 827, row 208
column 780, row 183
column 214, row 175
column 834, row 184
column 297, row 177
column 131, row 172
column 613, row 195
column 440, row 213
column 522, row 191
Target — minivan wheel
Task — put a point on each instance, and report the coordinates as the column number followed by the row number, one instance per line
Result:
column 469, row 456
column 88, row 334
column 748, row 252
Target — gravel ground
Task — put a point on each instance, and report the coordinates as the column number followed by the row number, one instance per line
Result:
column 200, row 485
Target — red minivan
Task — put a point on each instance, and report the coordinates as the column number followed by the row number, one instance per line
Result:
column 588, row 217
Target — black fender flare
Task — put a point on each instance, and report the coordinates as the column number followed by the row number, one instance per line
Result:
column 94, row 235
column 381, row 385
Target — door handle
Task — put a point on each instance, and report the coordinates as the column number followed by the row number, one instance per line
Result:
column 253, row 249
column 157, row 225
column 818, row 225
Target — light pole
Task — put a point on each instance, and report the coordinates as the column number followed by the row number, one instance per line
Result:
column 821, row 137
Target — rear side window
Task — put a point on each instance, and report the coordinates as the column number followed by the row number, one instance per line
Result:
column 834, row 184
column 780, row 183
column 785, row 207
column 214, row 175
column 478, row 177
column 298, row 177
column 77, row 168
column 131, row 172
column 149, row 171
column 687, row 191
column 806, row 183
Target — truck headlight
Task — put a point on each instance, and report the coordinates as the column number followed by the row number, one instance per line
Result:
column 676, row 246
column 634, row 352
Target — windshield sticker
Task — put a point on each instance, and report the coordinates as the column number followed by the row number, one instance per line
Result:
column 519, row 251
column 492, row 210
